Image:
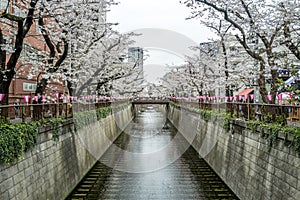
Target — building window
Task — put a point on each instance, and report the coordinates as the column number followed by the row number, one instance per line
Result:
column 232, row 49
column 17, row 11
column 37, row 27
column 31, row 87
column 3, row 4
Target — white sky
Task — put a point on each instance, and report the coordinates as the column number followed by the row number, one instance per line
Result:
column 163, row 14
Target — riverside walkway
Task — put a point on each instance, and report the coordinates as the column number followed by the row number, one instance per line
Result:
column 119, row 176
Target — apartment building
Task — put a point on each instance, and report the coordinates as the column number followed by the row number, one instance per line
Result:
column 23, row 84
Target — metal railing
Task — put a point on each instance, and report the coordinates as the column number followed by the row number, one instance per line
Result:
column 248, row 111
column 27, row 112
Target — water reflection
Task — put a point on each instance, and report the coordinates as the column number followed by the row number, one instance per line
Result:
column 152, row 143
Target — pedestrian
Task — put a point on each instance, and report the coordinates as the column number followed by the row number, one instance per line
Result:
column 17, row 107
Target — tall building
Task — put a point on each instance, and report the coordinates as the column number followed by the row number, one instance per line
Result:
column 136, row 55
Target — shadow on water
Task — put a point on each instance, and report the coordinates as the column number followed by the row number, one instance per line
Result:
column 189, row 177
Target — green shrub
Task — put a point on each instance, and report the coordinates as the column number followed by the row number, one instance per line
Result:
column 273, row 128
column 15, row 139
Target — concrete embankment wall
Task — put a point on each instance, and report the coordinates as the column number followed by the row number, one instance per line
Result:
column 244, row 160
column 52, row 169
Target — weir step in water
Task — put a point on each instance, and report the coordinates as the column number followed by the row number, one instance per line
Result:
column 188, row 177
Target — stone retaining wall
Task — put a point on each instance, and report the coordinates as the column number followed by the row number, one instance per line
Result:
column 243, row 159
column 52, row 169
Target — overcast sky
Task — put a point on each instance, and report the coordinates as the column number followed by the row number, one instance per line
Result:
column 163, row 14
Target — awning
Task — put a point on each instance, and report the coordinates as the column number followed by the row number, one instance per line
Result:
column 245, row 91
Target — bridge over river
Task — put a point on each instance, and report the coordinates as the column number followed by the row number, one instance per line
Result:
column 119, row 176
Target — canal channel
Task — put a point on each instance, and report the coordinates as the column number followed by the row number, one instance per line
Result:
column 126, row 171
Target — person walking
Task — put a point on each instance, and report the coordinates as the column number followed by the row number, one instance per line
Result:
column 17, row 108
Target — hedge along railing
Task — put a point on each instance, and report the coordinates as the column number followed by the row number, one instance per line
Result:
column 250, row 111
column 88, row 117
column 17, row 138
column 272, row 131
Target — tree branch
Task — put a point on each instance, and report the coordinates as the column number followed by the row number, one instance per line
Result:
column 289, row 43
column 47, row 40
column 2, row 52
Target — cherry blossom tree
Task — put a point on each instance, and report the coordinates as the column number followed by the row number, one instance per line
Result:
column 177, row 81
column 70, row 29
column 84, row 50
column 256, row 26
column 291, row 14
column 131, row 85
column 14, row 27
column 104, row 64
column 202, row 69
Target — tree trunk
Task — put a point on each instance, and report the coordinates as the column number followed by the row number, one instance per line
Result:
column 40, row 88
column 274, row 90
column 4, row 89
column 4, row 85
column 38, row 109
column 70, row 88
column 227, row 88
column 261, row 81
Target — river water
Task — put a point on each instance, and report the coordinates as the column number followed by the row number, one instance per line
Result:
column 145, row 163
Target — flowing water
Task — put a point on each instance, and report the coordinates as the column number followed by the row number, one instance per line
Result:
column 140, row 165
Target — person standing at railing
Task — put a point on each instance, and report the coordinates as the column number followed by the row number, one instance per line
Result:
column 17, row 107
column 48, row 114
column 286, row 111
